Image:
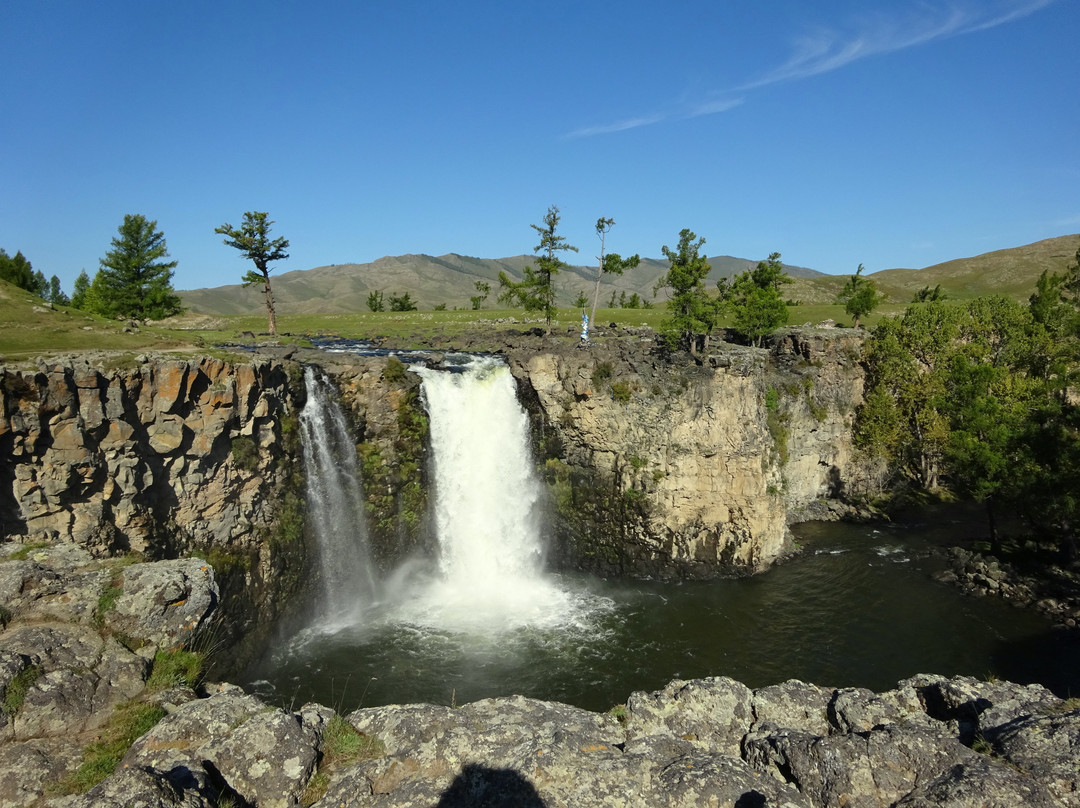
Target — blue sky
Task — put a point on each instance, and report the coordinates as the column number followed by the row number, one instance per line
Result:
column 893, row 134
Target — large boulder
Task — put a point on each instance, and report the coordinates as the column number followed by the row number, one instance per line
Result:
column 165, row 602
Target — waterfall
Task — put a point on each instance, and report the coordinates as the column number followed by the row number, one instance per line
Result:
column 485, row 514
column 335, row 507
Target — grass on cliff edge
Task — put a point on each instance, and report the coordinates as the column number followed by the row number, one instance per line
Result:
column 30, row 327
column 129, row 722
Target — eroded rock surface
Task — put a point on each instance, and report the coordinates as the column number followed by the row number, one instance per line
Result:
column 930, row 741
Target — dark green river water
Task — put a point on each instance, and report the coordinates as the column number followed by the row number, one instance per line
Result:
column 858, row 607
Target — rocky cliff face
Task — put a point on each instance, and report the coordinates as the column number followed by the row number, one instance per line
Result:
column 661, row 466
column 161, row 458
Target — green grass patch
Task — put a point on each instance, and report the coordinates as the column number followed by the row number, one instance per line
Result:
column 175, row 668
column 107, row 602
column 18, row 687
column 129, row 722
column 24, row 552
column 343, row 745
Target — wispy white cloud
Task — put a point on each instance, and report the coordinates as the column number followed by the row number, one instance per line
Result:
column 714, row 106
column 824, row 50
column 827, row 49
column 618, row 126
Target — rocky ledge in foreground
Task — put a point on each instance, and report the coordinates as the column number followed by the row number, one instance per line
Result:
column 87, row 644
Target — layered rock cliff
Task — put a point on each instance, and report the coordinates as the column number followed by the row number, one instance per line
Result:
column 161, row 458
column 663, row 466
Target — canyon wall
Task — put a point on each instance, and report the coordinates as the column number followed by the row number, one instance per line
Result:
column 661, row 466
column 161, row 458
column 670, row 467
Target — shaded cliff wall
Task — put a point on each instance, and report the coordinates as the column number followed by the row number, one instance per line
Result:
column 381, row 400
column 165, row 458
column 665, row 467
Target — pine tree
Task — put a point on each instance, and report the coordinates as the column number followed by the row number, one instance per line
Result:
column 80, row 291
column 133, row 280
column 536, row 292
column 690, row 309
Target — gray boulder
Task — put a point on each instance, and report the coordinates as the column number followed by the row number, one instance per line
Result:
column 165, row 602
column 980, row 783
column 713, row 713
column 1047, row 747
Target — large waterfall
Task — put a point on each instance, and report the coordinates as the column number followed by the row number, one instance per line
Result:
column 335, row 507
column 486, row 516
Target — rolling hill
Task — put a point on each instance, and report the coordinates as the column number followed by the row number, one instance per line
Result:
column 1012, row 272
column 450, row 279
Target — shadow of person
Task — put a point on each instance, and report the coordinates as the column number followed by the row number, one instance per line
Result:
column 480, row 787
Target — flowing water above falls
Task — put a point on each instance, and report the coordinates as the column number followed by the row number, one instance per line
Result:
column 857, row 608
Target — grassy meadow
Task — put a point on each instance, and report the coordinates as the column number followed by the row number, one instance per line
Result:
column 29, row 327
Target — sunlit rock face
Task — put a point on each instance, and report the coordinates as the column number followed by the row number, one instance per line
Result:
column 665, row 468
column 156, row 458
column 163, row 458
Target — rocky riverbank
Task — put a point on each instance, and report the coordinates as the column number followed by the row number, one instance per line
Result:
column 1052, row 589
column 87, row 643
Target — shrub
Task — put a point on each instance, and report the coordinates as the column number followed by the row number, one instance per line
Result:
column 395, row 370
column 601, row 373
column 245, row 453
column 620, row 391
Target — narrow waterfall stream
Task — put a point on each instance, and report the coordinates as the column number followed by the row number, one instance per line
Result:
column 858, row 608
column 335, row 507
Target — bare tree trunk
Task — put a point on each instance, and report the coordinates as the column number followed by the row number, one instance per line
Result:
column 271, row 315
column 995, row 539
column 595, row 297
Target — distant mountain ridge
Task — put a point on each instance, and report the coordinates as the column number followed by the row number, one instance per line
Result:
column 450, row 279
column 432, row 280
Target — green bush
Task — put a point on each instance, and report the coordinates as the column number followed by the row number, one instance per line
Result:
column 620, row 391
column 245, row 453
column 395, row 370
column 601, row 373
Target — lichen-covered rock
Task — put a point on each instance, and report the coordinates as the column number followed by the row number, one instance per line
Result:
column 28, row 768
column 794, row 705
column 522, row 752
column 1047, row 747
column 713, row 713
column 165, row 602
column 856, row 770
column 136, row 788
column 263, row 754
column 980, row 783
